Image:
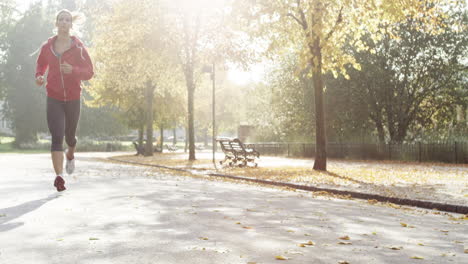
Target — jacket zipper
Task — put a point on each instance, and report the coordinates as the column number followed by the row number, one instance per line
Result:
column 61, row 77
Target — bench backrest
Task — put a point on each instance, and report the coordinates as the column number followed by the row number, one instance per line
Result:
column 237, row 145
column 225, row 146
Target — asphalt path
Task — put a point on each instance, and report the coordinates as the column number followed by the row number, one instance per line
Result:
column 116, row 213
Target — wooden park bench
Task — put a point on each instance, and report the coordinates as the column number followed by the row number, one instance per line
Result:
column 141, row 149
column 171, row 148
column 237, row 153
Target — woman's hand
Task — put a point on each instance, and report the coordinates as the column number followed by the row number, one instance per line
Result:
column 66, row 68
column 40, row 80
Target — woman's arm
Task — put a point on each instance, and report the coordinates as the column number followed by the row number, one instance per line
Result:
column 84, row 71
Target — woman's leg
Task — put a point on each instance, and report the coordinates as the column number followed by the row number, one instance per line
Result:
column 56, row 123
column 72, row 116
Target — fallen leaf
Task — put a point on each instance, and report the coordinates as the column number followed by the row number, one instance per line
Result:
column 417, row 257
column 2, row 215
column 374, row 233
column 343, row 262
column 59, row 239
column 93, row 238
column 281, row 258
column 445, row 231
column 421, row 244
column 238, row 223
column 466, row 251
column 251, row 262
column 344, row 243
column 403, row 224
column 247, row 227
column 301, row 245
column 307, row 234
column 396, row 248
column 345, row 237
column 372, row 201
column 291, row 231
column 203, row 238
column 458, row 242
column 310, row 243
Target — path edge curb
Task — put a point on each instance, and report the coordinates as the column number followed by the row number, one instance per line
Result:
column 459, row 209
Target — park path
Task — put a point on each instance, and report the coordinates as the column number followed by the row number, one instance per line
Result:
column 113, row 213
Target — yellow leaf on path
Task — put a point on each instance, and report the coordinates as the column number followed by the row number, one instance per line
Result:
column 343, row 262
column 417, row 257
column 421, row 244
column 203, row 238
column 251, row 262
column 403, row 224
column 466, row 251
column 396, row 248
column 344, row 243
column 301, row 245
column 247, row 227
column 281, row 258
column 374, row 233
column 345, row 237
column 238, row 223
column 291, row 231
column 310, row 243
column 93, row 238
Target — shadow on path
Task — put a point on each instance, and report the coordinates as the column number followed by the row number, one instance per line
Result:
column 10, row 213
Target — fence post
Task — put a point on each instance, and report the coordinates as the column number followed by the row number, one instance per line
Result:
column 419, row 151
column 456, row 154
column 389, row 151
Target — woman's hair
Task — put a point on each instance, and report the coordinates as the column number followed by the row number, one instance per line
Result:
column 78, row 20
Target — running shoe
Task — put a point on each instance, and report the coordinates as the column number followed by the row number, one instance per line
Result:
column 59, row 183
column 70, row 166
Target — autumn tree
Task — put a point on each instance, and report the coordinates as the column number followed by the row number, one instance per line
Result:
column 201, row 34
column 316, row 30
column 132, row 59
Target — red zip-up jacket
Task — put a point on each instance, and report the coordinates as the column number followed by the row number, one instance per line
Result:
column 61, row 86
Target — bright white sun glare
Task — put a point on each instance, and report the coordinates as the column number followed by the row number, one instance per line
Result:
column 240, row 77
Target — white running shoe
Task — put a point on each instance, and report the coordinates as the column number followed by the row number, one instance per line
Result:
column 70, row 166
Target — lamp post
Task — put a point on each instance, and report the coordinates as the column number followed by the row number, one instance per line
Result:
column 212, row 71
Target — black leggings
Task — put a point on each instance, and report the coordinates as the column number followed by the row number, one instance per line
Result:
column 62, row 119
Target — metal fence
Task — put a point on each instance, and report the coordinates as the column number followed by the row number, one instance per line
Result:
column 449, row 152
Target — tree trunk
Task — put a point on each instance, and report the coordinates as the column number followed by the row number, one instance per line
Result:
column 186, row 140
column 174, row 134
column 141, row 132
column 161, row 138
column 191, row 129
column 149, row 120
column 320, row 134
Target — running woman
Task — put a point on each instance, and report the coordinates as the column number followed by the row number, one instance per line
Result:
column 68, row 63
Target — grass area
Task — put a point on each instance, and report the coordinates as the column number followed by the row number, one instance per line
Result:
column 6, row 146
column 441, row 182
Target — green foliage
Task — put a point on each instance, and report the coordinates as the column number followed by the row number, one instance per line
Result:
column 25, row 102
